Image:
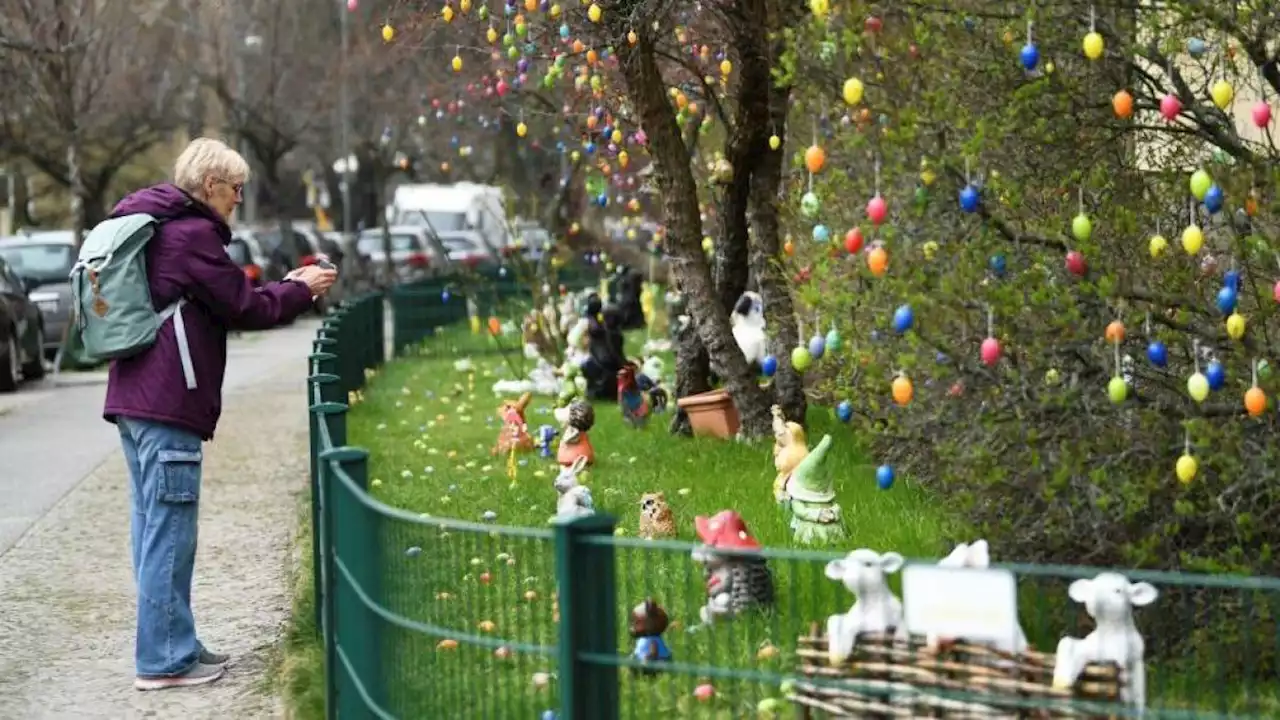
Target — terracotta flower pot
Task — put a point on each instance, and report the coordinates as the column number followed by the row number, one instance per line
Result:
column 711, row 413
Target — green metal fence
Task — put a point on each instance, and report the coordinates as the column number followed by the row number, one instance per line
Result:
column 427, row 617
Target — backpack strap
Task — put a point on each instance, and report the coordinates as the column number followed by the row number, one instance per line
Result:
column 184, row 348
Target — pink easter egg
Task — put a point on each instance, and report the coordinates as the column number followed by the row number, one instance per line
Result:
column 352, row 5
column 990, row 351
column 1170, row 106
column 877, row 209
column 704, row 692
column 1275, row 292
column 1261, row 114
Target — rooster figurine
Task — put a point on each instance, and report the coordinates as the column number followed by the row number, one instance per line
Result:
column 634, row 404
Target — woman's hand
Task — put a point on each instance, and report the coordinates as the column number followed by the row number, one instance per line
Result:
column 317, row 279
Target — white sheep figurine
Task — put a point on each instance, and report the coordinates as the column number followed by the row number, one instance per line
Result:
column 575, row 498
column 875, row 608
column 977, row 555
column 1109, row 599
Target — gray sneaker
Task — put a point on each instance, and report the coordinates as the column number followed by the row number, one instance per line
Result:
column 208, row 657
column 199, row 674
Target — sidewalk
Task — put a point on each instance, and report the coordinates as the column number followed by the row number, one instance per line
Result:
column 66, row 587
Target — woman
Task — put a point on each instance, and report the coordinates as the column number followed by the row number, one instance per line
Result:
column 162, row 423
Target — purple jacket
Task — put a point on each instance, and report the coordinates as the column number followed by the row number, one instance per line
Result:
column 188, row 258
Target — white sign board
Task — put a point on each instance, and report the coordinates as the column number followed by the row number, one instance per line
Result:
column 977, row 605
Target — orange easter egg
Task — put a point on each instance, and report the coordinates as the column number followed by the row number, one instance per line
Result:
column 814, row 159
column 1255, row 401
column 1115, row 332
column 903, row 390
column 878, row 261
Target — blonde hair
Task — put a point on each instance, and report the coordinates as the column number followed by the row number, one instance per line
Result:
column 207, row 157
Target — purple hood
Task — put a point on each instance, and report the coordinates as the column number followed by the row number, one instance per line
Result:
column 187, row 259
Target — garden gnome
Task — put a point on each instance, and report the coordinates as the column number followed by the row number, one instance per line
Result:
column 648, row 622
column 735, row 583
column 514, row 435
column 577, row 418
column 815, row 516
column 789, row 447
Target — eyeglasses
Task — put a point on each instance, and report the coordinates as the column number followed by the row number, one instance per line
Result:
column 237, row 188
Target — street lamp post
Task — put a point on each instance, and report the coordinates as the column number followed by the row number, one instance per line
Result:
column 344, row 109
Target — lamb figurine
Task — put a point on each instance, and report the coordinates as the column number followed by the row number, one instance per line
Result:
column 875, row 610
column 575, row 498
column 978, row 556
column 1109, row 598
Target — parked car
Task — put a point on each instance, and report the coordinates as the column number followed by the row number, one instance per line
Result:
column 414, row 251
column 21, row 332
column 355, row 270
column 43, row 262
column 245, row 252
column 466, row 247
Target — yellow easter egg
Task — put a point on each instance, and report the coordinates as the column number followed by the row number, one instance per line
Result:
column 1198, row 387
column 852, row 91
column 1093, row 45
column 491, row 35
column 594, row 13
column 388, row 33
column 1192, row 239
column 775, row 142
column 1235, row 326
column 522, row 129
column 1222, row 94
column 1186, row 468
column 447, row 14
column 1157, row 245
column 726, row 67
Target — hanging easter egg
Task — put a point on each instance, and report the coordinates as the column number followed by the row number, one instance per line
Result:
column 457, row 64
column 1082, row 227
column 1255, row 401
column 1157, row 245
column 1114, row 332
column 820, row 8
column 878, row 261
column 1076, row 264
column 522, row 129
column 833, row 340
column 1233, row 279
column 810, row 205
column 1170, row 107
column 447, row 14
column 1264, row 369
column 353, row 5
column 877, row 209
column 814, row 159
column 969, row 199
column 1186, row 468
column 1200, row 183
column 801, row 359
column 821, row 233
column 903, row 390
column 388, row 33
column 817, row 347
column 929, row 249
column 1235, row 326
column 884, row 477
column 444, row 296
column 594, row 13
column 903, row 318
column 844, row 411
column 775, row 142
column 1226, row 300
column 1261, row 114
column 1122, row 104
column 1222, row 94
column 495, row 325
column 1093, row 45
column 852, row 91
column 1215, row 374
column 1213, row 198
column 1196, row 47
column 1192, row 239
column 1198, row 387
column 853, row 240
column 1029, row 56
column 1117, row 390
column 1157, row 354
column 990, row 352
column 769, row 366
column 998, row 265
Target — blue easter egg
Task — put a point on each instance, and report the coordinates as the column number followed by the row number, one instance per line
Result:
column 1233, row 278
column 998, row 265
column 817, row 347
column 969, row 199
column 590, row 148
column 1030, row 56
column 1213, row 199
column 1196, row 47
column 1227, row 297
column 941, row 358
column 1216, row 374
column 769, row 365
column 565, row 32
column 902, row 319
column 844, row 411
column 970, row 24
column 884, row 477
column 1158, row 354
column 548, row 715
column 444, row 296
column 821, row 233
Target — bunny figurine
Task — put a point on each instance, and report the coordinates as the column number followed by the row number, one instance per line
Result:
column 575, row 498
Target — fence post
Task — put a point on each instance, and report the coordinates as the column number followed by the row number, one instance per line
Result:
column 587, row 589
column 334, row 416
column 380, row 328
column 397, row 320
column 355, row 559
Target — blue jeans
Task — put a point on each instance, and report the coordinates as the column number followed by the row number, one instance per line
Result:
column 164, row 466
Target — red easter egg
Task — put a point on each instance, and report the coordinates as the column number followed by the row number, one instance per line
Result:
column 877, row 209
column 1170, row 106
column 873, row 24
column 1076, row 264
column 853, row 240
column 1261, row 114
column 1275, row 292
column 990, row 351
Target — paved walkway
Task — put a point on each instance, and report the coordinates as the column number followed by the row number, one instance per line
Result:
column 66, row 586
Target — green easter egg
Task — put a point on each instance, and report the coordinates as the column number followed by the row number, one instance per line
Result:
column 801, row 359
column 810, row 205
column 1117, row 390
column 1200, row 183
column 1082, row 227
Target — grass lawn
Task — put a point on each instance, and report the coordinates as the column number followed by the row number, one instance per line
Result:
column 430, row 429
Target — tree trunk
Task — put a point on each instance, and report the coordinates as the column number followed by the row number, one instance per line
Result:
column 676, row 185
column 693, row 369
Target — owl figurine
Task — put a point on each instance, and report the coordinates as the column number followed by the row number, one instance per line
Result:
column 656, row 519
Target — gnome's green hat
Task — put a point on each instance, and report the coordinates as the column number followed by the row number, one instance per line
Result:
column 809, row 481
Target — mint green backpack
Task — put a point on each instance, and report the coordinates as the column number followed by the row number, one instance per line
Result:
column 112, row 314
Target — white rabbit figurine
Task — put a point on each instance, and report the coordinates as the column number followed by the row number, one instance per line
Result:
column 575, row 498
column 978, row 556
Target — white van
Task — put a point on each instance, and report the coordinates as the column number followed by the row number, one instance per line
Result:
column 454, row 208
